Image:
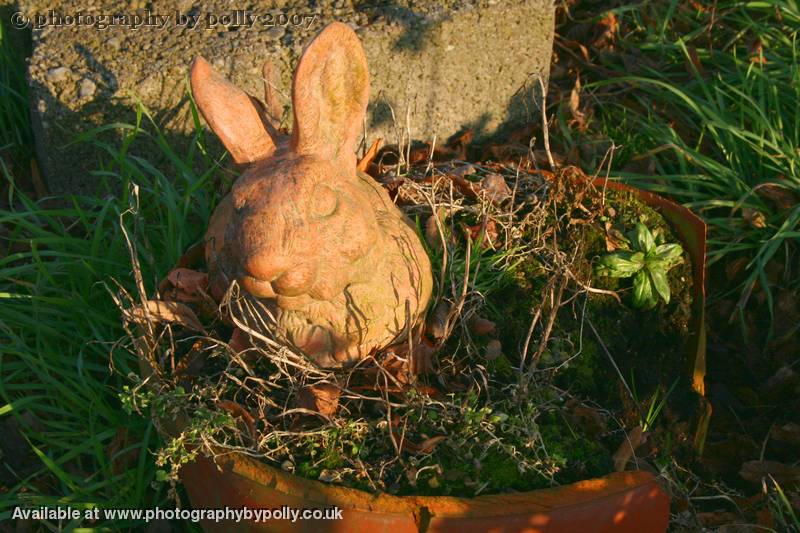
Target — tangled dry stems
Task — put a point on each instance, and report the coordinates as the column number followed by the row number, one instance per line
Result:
column 248, row 401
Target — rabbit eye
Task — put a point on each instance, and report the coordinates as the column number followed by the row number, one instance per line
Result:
column 325, row 202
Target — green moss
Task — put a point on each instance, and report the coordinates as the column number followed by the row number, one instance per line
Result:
column 582, row 370
column 501, row 472
column 577, row 455
column 501, row 368
column 308, row 470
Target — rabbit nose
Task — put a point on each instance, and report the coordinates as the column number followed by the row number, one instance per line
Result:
column 265, row 267
column 283, row 277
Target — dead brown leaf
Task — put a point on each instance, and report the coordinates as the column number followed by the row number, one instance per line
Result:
column 160, row 311
column 615, row 239
column 490, row 233
column 781, row 381
column 192, row 364
column 482, row 326
column 754, row 217
column 608, row 32
column 494, row 188
column 239, row 341
column 238, row 411
column 463, row 170
column 427, row 390
column 421, row 361
column 424, row 152
column 781, row 197
column 508, row 152
column 578, row 116
column 787, row 476
column 190, row 285
column 436, row 325
column 723, row 454
column 587, row 418
column 454, row 383
column 395, row 362
column 432, row 235
column 194, row 257
column 459, row 143
column 321, row 397
column 494, row 349
column 573, row 156
column 542, row 159
column 426, row 447
column 765, row 519
column 788, row 433
column 419, row 154
column 699, row 6
column 628, row 447
column 365, row 161
column 467, row 188
column 757, row 53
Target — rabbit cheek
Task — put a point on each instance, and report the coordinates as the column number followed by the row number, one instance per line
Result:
column 358, row 240
column 355, row 231
column 327, row 287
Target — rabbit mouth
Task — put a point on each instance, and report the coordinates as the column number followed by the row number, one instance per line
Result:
column 257, row 287
column 275, row 276
column 289, row 284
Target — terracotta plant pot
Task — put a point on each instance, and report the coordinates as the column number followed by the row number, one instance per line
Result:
column 620, row 502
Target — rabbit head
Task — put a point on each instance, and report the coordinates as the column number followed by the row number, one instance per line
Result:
column 301, row 226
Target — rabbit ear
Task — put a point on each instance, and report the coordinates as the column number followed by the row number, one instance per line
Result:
column 232, row 114
column 330, row 90
column 273, row 108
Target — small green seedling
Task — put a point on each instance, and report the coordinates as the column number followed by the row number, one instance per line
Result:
column 657, row 403
column 648, row 264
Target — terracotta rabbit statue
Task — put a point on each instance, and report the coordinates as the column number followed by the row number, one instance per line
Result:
column 319, row 243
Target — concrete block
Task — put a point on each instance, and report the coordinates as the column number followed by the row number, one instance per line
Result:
column 437, row 66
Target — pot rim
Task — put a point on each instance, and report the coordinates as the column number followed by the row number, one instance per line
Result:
column 535, row 501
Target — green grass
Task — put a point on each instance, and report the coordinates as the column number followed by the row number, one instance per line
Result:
column 717, row 130
column 16, row 146
column 59, row 325
column 782, row 510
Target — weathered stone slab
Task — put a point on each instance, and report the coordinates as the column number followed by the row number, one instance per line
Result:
column 435, row 66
